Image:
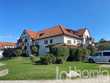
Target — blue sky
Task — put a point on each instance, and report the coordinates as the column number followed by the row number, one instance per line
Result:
column 17, row 15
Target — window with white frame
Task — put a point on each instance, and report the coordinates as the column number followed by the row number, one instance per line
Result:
column 69, row 41
column 51, row 41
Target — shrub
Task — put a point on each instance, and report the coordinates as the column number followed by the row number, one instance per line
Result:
column 82, row 52
column 18, row 52
column 48, row 59
column 8, row 53
column 45, row 59
column 53, row 58
column 62, row 54
column 33, row 58
column 59, row 60
column 73, row 55
column 59, row 53
column 24, row 54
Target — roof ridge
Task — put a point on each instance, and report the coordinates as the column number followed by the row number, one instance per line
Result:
column 62, row 28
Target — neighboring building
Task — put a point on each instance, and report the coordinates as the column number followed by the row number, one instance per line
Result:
column 5, row 45
column 58, row 35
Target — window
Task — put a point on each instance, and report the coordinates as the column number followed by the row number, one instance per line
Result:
column 25, row 40
column 74, row 41
column 106, row 54
column 36, row 42
column 45, row 41
column 25, row 48
column 69, row 41
column 97, row 54
column 78, row 41
column 51, row 41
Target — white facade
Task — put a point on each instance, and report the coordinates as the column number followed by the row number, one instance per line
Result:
column 43, row 49
column 71, row 41
column 43, row 46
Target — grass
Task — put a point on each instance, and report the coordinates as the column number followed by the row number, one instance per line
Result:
column 2, row 67
column 22, row 69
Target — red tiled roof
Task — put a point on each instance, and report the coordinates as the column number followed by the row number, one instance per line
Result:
column 32, row 34
column 81, row 31
column 55, row 31
column 2, row 44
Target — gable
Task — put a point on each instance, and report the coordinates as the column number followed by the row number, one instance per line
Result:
column 86, row 34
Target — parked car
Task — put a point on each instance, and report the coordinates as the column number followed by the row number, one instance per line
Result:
column 100, row 57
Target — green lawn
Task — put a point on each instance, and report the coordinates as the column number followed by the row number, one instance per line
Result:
column 22, row 69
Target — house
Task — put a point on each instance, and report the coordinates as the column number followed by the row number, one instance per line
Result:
column 57, row 36
column 5, row 45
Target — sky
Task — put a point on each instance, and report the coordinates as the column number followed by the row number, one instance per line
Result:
column 17, row 15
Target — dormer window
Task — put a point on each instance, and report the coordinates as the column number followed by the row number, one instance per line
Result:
column 41, row 34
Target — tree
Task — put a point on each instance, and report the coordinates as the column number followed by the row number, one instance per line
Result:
column 102, row 40
column 103, row 46
column 92, row 49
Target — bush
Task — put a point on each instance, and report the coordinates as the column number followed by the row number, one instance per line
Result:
column 77, row 54
column 59, row 60
column 9, row 53
column 33, row 58
column 82, row 52
column 24, row 55
column 18, row 52
column 53, row 58
column 73, row 55
column 48, row 59
column 45, row 60
column 62, row 54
